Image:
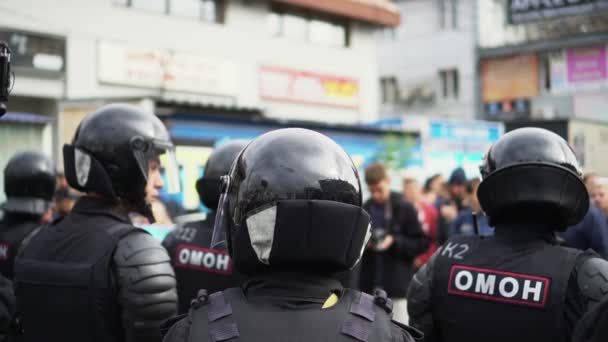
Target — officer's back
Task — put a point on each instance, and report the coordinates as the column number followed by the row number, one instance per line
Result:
column 518, row 285
column 92, row 276
column 291, row 215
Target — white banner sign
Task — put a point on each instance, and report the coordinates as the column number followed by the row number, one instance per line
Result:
column 159, row 68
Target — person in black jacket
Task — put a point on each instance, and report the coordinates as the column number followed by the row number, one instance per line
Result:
column 93, row 276
column 397, row 239
column 520, row 284
column 290, row 213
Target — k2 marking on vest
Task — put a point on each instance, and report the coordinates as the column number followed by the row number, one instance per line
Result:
column 203, row 259
column 454, row 250
column 4, row 247
column 499, row 286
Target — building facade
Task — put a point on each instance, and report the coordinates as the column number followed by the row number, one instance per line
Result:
column 427, row 64
column 287, row 59
column 543, row 59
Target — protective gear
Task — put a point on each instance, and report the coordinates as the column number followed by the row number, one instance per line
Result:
column 351, row 316
column 13, row 230
column 292, row 199
column 529, row 295
column 29, row 183
column 218, row 165
column 111, row 151
column 593, row 327
column 196, row 265
column 592, row 277
column 539, row 288
column 147, row 286
column 533, row 172
column 110, row 280
column 355, row 317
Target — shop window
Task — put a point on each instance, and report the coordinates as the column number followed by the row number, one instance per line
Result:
column 449, row 83
column 388, row 87
column 302, row 25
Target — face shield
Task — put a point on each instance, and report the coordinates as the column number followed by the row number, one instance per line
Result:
column 164, row 153
column 219, row 238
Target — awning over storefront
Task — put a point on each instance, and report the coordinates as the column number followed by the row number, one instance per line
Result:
column 380, row 12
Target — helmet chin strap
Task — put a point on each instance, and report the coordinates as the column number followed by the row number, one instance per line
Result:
column 146, row 210
column 138, row 204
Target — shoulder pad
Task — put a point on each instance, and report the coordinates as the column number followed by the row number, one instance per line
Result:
column 138, row 248
column 592, row 278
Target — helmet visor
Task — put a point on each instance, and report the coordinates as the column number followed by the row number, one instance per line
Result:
column 164, row 153
column 168, row 163
column 219, row 238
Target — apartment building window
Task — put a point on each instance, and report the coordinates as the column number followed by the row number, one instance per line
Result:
column 389, row 89
column 306, row 26
column 448, row 13
column 449, row 83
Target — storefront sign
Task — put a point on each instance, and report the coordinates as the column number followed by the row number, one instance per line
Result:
column 522, row 11
column 509, row 78
column 586, row 64
column 196, row 74
column 159, row 68
column 579, row 68
column 131, row 66
column 281, row 84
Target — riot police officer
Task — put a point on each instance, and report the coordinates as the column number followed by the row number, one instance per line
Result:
column 291, row 215
column 519, row 285
column 29, row 185
column 93, row 275
column 197, row 265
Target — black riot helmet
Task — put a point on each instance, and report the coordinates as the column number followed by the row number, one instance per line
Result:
column 29, row 183
column 218, row 165
column 111, row 151
column 292, row 200
column 532, row 172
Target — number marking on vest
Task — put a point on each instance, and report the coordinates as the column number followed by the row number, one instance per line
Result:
column 449, row 250
column 499, row 286
column 203, row 259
